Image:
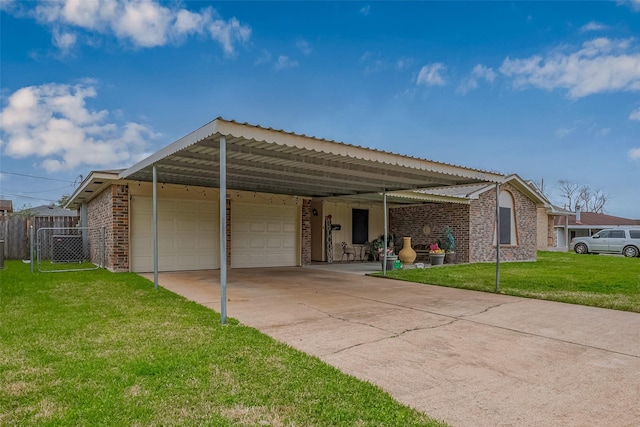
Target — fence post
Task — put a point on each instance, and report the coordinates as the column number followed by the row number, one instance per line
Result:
column 31, row 237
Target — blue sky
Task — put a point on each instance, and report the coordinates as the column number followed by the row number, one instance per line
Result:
column 547, row 90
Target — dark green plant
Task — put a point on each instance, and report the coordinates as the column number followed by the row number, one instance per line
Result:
column 449, row 243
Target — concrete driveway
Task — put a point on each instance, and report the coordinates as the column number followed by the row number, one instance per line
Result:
column 468, row 358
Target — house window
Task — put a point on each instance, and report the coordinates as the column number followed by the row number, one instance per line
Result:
column 507, row 227
column 359, row 226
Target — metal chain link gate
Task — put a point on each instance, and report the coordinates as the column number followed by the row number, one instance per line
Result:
column 70, row 249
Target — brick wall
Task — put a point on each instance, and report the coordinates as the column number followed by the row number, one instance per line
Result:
column 410, row 221
column 473, row 226
column 482, row 221
column 110, row 210
column 306, row 232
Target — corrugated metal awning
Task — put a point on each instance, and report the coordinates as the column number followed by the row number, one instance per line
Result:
column 273, row 161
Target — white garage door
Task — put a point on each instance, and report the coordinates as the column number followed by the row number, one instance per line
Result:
column 263, row 235
column 187, row 235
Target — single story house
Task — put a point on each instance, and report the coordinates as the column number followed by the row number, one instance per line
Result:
column 52, row 210
column 6, row 207
column 243, row 196
column 583, row 224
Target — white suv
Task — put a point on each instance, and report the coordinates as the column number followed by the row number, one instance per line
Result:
column 625, row 241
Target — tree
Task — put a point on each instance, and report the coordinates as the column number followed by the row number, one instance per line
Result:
column 582, row 197
column 64, row 199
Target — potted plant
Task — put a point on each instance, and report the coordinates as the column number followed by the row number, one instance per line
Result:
column 449, row 246
column 391, row 258
column 436, row 254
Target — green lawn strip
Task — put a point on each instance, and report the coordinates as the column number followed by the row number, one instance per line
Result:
column 593, row 280
column 97, row 348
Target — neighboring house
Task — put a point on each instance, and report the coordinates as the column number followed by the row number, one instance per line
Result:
column 581, row 224
column 6, row 207
column 291, row 199
column 51, row 210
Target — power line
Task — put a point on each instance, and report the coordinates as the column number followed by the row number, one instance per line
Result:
column 38, row 177
column 47, row 191
column 3, row 195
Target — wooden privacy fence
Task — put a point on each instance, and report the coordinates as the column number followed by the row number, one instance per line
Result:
column 14, row 230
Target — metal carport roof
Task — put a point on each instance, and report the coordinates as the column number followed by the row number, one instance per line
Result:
column 274, row 161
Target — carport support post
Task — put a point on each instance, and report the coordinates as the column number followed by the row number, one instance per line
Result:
column 223, row 230
column 497, row 237
column 384, row 208
column 155, row 227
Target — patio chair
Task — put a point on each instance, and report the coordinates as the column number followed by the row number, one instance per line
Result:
column 348, row 251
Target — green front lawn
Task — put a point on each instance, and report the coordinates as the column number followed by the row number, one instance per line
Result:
column 595, row 280
column 97, row 348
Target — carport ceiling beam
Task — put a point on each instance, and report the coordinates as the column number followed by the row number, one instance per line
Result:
column 242, row 182
column 282, row 174
column 418, row 176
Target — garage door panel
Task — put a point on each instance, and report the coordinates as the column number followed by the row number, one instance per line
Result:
column 274, row 227
column 186, row 243
column 274, row 242
column 203, row 243
column 204, row 226
column 257, row 243
column 186, row 226
column 257, row 227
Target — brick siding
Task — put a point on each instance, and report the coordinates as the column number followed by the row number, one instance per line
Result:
column 110, row 210
column 473, row 226
column 306, row 232
column 482, row 220
column 410, row 221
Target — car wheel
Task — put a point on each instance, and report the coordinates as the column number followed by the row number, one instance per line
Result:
column 581, row 248
column 630, row 251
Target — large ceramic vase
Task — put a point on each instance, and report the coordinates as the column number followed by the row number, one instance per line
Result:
column 407, row 255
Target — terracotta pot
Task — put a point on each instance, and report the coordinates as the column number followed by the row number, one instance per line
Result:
column 407, row 255
column 450, row 258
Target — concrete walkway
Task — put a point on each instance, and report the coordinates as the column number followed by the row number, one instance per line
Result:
column 468, row 358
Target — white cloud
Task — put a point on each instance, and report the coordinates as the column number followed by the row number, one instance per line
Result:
column 430, row 75
column 64, row 41
column 365, row 10
column 142, row 23
column 284, row 62
column 562, row 132
column 52, row 122
column 304, row 47
column 635, row 115
column 593, row 26
column 479, row 72
column 263, row 58
column 634, row 153
column 601, row 65
column 634, row 4
column 604, row 131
